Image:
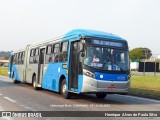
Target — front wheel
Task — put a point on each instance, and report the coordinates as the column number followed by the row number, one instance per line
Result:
column 101, row 95
column 64, row 91
column 34, row 83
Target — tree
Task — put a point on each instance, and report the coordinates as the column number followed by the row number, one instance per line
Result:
column 140, row 53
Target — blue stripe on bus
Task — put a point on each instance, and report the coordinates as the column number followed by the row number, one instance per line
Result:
column 110, row 77
column 16, row 74
column 80, row 83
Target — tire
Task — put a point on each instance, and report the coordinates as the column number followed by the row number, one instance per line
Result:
column 65, row 94
column 101, row 95
column 34, row 83
column 13, row 78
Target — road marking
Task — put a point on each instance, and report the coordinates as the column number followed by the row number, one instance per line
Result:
column 11, row 100
column 139, row 98
column 28, row 108
column 1, row 94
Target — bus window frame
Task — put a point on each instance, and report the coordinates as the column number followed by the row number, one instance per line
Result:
column 48, row 56
column 56, row 54
column 32, row 52
column 36, row 56
column 64, row 52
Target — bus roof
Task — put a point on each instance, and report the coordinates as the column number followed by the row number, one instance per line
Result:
column 92, row 33
column 76, row 33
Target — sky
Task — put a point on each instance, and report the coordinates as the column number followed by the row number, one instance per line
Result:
column 24, row 22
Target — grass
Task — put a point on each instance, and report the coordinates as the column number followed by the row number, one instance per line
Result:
column 146, row 85
column 4, row 71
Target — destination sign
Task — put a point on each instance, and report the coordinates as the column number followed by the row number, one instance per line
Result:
column 108, row 43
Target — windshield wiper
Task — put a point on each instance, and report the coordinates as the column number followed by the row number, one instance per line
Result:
column 106, row 62
column 118, row 66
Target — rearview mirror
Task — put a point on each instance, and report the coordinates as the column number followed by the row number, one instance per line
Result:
column 82, row 54
column 83, row 41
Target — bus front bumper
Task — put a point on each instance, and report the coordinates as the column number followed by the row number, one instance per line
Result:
column 91, row 85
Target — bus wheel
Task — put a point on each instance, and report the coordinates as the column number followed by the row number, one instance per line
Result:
column 65, row 94
column 13, row 78
column 34, row 83
column 101, row 95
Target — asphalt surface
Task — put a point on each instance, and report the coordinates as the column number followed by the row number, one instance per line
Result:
column 22, row 97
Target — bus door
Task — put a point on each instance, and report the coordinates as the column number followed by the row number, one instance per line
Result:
column 41, row 65
column 75, row 66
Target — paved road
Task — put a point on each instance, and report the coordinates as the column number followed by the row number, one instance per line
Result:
column 22, row 97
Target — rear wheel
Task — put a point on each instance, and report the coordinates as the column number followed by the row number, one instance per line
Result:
column 101, row 95
column 34, row 83
column 64, row 91
column 13, row 78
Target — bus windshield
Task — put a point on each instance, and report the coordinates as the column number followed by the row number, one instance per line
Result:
column 105, row 58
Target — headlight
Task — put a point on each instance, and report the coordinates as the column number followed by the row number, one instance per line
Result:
column 89, row 74
column 128, row 77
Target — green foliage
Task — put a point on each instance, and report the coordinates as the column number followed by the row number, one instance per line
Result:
column 140, row 53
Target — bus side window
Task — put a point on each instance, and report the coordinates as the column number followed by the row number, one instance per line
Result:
column 22, row 57
column 36, row 59
column 56, row 52
column 48, row 54
column 19, row 58
column 14, row 58
column 64, row 51
column 31, row 56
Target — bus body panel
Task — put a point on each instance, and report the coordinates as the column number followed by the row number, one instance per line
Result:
column 52, row 76
column 16, row 73
column 31, row 69
column 28, row 75
column 20, row 71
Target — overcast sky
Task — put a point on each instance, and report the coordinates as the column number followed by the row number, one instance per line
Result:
column 25, row 22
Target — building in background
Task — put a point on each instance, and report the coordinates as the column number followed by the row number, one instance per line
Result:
column 4, row 63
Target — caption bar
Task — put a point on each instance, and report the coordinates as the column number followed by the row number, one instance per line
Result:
column 39, row 114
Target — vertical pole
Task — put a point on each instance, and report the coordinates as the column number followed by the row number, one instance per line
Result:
column 144, row 69
column 155, row 68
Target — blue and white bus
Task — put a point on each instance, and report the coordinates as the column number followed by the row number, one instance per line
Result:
column 82, row 61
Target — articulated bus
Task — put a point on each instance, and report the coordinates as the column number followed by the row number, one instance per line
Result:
column 82, row 61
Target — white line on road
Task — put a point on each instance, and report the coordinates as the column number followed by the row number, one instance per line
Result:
column 1, row 94
column 139, row 98
column 28, row 108
column 11, row 100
